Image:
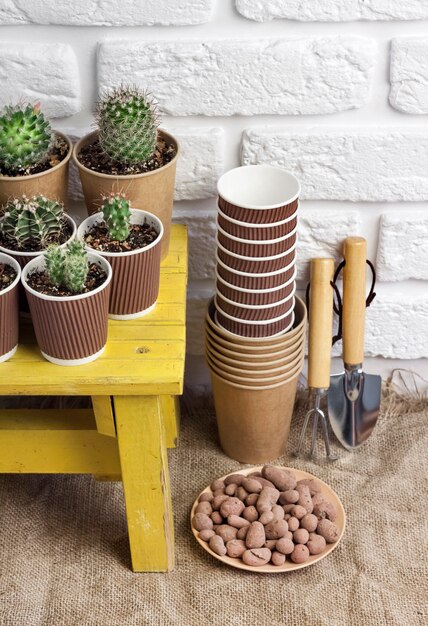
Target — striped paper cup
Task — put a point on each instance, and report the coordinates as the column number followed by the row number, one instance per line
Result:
column 70, row 330
column 9, row 311
column 261, row 296
column 249, row 328
column 258, row 194
column 255, row 312
column 254, row 279
column 256, row 265
column 256, row 248
column 136, row 274
column 244, row 230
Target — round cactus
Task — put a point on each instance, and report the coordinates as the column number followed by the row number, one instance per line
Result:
column 128, row 120
column 37, row 221
column 117, row 217
column 25, row 138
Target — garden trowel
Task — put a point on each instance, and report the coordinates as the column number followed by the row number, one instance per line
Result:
column 354, row 396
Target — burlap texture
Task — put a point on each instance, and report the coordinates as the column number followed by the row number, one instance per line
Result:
column 64, row 549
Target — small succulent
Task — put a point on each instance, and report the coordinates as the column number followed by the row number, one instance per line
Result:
column 36, row 220
column 25, row 137
column 128, row 121
column 117, row 216
column 67, row 267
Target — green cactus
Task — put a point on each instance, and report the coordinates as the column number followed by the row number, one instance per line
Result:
column 75, row 266
column 55, row 265
column 128, row 123
column 36, row 220
column 26, row 138
column 117, row 216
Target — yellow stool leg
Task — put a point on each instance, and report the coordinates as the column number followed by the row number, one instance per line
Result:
column 170, row 407
column 143, row 458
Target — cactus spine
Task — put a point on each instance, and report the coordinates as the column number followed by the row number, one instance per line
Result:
column 68, row 267
column 36, row 220
column 117, row 216
column 25, row 138
column 128, row 123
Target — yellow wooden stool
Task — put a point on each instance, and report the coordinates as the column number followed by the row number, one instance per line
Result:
column 134, row 388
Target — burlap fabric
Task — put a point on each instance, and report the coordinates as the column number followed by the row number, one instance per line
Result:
column 64, row 550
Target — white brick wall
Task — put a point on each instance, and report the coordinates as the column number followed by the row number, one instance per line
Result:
column 341, row 104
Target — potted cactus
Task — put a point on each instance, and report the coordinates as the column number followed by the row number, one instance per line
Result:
column 10, row 274
column 131, row 240
column 33, row 158
column 68, row 292
column 30, row 225
column 128, row 152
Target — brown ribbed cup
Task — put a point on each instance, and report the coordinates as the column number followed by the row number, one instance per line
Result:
column 256, row 265
column 256, row 314
column 248, row 281
column 254, row 330
column 9, row 310
column 254, row 297
column 255, row 248
column 136, row 275
column 242, row 231
column 257, row 216
column 70, row 328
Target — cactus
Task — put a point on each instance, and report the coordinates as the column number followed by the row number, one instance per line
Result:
column 117, row 216
column 67, row 267
column 36, row 220
column 25, row 138
column 128, row 120
column 75, row 266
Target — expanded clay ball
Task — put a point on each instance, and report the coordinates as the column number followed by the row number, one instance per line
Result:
column 300, row 554
column 316, row 543
column 216, row 544
column 328, row 530
column 309, row 522
column 300, row 536
column 201, row 521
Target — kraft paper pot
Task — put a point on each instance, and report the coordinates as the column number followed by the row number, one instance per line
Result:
column 255, row 374
column 150, row 191
column 257, row 344
column 243, row 230
column 255, row 281
column 251, row 362
column 257, row 265
column 255, row 312
column 254, row 296
column 252, row 382
column 9, row 311
column 260, row 329
column 71, row 330
column 258, row 194
column 256, row 248
column 135, row 283
column 52, row 183
column 253, row 423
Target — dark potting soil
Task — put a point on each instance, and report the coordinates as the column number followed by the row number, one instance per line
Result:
column 57, row 154
column 12, row 244
column 140, row 236
column 7, row 276
column 94, row 158
column 39, row 281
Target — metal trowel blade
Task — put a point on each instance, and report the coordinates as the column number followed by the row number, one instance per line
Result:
column 353, row 406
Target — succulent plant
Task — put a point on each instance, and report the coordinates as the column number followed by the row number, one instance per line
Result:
column 25, row 137
column 36, row 220
column 128, row 120
column 117, row 216
column 67, row 267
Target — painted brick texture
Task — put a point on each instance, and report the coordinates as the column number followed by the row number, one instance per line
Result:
column 275, row 76
column 403, row 246
column 409, row 75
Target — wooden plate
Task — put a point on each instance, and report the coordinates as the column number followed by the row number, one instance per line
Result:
column 288, row 566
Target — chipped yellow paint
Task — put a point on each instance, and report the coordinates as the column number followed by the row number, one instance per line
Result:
column 104, row 417
column 170, row 407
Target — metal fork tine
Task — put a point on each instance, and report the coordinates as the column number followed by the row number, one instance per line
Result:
column 303, row 431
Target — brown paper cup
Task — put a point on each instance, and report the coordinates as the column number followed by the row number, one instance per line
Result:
column 255, row 297
column 9, row 312
column 70, row 330
column 251, row 361
column 256, row 248
column 151, row 191
column 256, row 374
column 253, row 423
column 254, row 281
column 259, row 232
column 53, row 183
column 241, row 328
column 136, row 274
column 258, row 265
column 254, row 312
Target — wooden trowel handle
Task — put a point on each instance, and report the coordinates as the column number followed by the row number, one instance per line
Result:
column 354, row 299
column 320, row 323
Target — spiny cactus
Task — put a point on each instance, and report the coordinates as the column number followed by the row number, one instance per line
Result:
column 36, row 220
column 128, row 120
column 117, row 216
column 68, row 267
column 25, row 137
